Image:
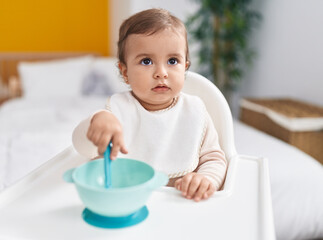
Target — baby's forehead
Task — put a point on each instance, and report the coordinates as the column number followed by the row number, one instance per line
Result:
column 161, row 41
column 168, row 29
column 164, row 35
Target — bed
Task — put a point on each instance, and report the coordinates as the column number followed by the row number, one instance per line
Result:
column 57, row 93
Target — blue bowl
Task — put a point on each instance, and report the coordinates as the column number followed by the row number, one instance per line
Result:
column 132, row 183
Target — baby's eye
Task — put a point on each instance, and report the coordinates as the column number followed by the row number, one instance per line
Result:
column 146, row 61
column 172, row 61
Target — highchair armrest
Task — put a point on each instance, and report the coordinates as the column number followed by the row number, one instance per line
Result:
column 243, row 203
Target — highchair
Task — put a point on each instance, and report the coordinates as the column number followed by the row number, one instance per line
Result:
column 218, row 108
column 241, row 210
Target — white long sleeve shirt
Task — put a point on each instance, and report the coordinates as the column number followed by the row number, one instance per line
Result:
column 176, row 140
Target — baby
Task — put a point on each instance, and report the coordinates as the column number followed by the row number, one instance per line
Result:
column 155, row 122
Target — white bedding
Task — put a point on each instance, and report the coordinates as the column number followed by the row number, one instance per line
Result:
column 36, row 127
column 33, row 130
column 296, row 183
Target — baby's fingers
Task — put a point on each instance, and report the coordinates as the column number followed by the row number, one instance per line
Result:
column 185, row 184
column 209, row 192
column 204, row 185
column 99, row 139
column 117, row 145
column 102, row 147
column 123, row 149
column 195, row 186
column 93, row 136
column 177, row 184
column 114, row 151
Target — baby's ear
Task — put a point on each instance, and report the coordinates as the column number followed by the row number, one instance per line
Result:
column 123, row 71
column 187, row 65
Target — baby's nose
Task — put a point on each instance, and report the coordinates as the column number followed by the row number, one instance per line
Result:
column 160, row 72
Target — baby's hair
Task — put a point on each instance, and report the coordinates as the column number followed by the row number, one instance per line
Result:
column 149, row 22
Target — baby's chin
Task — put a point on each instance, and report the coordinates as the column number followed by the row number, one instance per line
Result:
column 157, row 105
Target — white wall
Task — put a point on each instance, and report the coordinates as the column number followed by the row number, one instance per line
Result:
column 289, row 43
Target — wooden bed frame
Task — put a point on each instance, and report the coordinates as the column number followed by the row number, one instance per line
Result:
column 9, row 76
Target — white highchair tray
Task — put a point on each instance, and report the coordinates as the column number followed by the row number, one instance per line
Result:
column 43, row 206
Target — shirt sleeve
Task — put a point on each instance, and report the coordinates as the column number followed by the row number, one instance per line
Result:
column 212, row 162
column 79, row 139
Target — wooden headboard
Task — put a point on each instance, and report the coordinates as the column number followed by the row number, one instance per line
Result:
column 9, row 61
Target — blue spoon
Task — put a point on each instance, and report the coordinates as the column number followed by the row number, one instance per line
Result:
column 107, row 167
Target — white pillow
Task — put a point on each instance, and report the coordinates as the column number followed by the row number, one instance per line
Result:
column 54, row 78
column 107, row 66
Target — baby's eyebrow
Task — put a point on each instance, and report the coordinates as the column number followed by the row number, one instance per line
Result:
column 141, row 55
column 177, row 55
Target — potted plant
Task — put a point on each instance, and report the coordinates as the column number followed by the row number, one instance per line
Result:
column 222, row 28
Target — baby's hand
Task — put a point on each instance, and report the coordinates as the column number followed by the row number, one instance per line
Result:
column 195, row 185
column 106, row 128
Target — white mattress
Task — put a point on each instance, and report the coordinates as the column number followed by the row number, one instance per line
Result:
column 32, row 131
column 296, row 183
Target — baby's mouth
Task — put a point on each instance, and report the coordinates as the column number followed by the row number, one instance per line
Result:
column 160, row 88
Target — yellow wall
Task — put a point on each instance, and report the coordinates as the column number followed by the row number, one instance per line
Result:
column 54, row 25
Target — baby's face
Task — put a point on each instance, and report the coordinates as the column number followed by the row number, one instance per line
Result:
column 155, row 67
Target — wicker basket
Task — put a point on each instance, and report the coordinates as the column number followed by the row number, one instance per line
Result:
column 260, row 113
